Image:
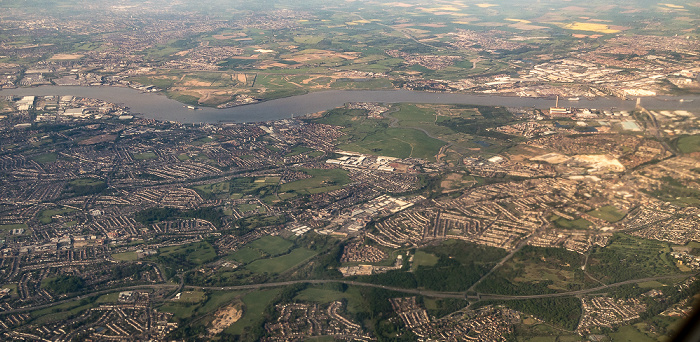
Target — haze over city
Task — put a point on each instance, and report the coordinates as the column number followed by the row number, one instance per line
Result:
column 348, row 170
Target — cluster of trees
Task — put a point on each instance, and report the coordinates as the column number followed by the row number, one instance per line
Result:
column 122, row 271
column 563, row 311
column 502, row 281
column 154, row 215
column 459, row 265
column 64, row 284
column 378, row 312
column 249, row 223
column 444, row 307
column 627, row 258
column 87, row 187
column 492, row 117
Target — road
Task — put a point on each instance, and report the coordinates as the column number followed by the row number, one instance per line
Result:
column 520, row 246
column 426, row 293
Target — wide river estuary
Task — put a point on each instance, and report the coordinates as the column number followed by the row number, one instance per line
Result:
column 159, row 107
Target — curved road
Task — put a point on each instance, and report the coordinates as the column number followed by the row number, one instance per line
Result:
column 426, row 293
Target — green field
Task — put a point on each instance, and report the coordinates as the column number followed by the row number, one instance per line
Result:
column 13, row 290
column 328, row 293
column 536, row 270
column 375, row 137
column 108, row 298
column 688, row 144
column 45, row 216
column 608, row 213
column 255, row 303
column 578, row 223
column 246, row 255
column 125, row 256
column 424, row 259
column 397, row 142
column 207, row 303
column 9, row 227
column 46, row 158
column 160, row 82
column 198, row 252
column 59, row 312
column 191, row 297
column 251, row 207
column 282, row 263
column 238, row 187
column 320, row 295
column 145, row 156
column 272, row 245
column 322, row 180
column 629, row 334
column 184, row 257
column 296, row 150
column 427, row 117
column 628, row 257
column 86, row 182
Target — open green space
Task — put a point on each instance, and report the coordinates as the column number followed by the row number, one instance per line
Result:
column 145, row 156
column 251, row 207
column 427, row 117
column 536, row 270
column 108, row 298
column 296, row 150
column 125, row 256
column 13, row 290
column 184, row 257
column 60, row 311
column 45, row 216
column 158, row 82
column 46, row 158
column 328, row 293
column 322, row 180
column 191, row 297
column 629, row 333
column 155, row 215
column 249, row 223
column 627, row 257
column 422, row 258
column 397, row 142
column 10, row 227
column 688, row 143
column 578, row 223
column 564, row 312
column 677, row 192
column 375, row 137
column 197, row 253
column 255, row 303
column 254, row 186
column 608, row 213
column 63, row 284
column 272, row 245
column 281, row 263
column 87, row 186
column 459, row 265
column 246, row 255
column 207, row 303
column 86, row 182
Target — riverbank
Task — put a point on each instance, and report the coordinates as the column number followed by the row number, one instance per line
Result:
column 156, row 106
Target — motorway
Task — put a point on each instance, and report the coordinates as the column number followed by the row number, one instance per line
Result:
column 426, row 293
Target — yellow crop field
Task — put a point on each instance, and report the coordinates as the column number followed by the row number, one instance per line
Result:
column 519, row 21
column 673, row 6
column 602, row 28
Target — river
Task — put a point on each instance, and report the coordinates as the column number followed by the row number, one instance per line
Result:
column 159, row 107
